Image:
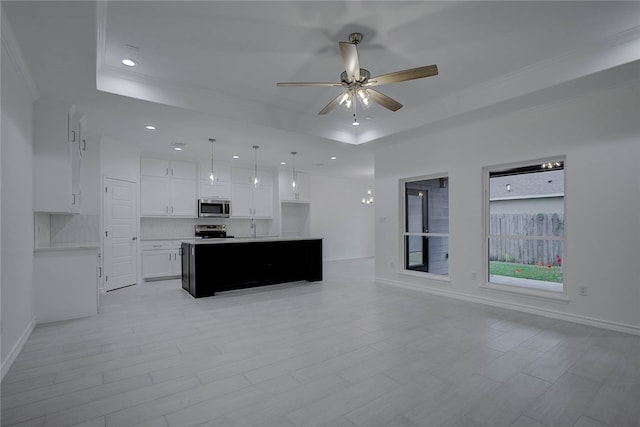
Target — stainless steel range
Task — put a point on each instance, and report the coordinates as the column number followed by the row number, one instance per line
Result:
column 211, row 231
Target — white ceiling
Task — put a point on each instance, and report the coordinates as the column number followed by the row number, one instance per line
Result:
column 209, row 69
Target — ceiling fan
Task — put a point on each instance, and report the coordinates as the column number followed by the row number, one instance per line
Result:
column 358, row 83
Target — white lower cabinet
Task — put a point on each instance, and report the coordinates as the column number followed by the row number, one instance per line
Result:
column 65, row 283
column 161, row 259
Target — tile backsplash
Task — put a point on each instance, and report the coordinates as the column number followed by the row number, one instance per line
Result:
column 74, row 229
column 65, row 229
column 180, row 228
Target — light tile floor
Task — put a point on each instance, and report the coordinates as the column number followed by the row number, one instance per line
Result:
column 342, row 352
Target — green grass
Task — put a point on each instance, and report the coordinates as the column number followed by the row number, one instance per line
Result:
column 525, row 271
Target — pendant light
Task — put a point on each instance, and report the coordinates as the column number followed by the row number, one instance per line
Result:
column 294, row 175
column 212, row 175
column 254, row 179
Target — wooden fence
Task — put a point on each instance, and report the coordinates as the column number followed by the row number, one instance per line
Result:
column 527, row 250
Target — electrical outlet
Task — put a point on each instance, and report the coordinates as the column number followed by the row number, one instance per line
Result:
column 583, row 291
column 474, row 276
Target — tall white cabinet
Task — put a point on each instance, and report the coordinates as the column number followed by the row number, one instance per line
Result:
column 59, row 145
column 248, row 201
column 167, row 188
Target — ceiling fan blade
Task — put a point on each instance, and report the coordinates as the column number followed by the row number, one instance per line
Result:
column 349, row 54
column 321, row 84
column 331, row 105
column 384, row 100
column 404, row 75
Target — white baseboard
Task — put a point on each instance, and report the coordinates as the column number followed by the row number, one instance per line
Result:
column 11, row 357
column 576, row 318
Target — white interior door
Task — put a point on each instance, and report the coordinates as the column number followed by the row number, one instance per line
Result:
column 120, row 238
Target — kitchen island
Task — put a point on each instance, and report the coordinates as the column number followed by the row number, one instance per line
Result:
column 216, row 265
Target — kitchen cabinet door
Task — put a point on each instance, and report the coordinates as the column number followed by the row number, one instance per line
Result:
column 154, row 196
column 52, row 156
column 222, row 172
column 241, row 200
column 157, row 263
column 76, row 164
column 154, row 167
column 217, row 190
column 263, row 202
column 183, row 198
column 182, row 170
column 302, row 191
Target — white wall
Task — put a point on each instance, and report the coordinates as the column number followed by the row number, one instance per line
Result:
column 600, row 135
column 338, row 216
column 119, row 160
column 18, row 310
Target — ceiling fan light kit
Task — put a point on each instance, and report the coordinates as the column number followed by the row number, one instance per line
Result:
column 357, row 82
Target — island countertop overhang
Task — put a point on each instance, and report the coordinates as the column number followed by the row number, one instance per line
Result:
column 248, row 240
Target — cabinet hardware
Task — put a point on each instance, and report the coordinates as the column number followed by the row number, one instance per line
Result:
column 84, row 145
column 167, row 207
column 169, row 257
column 167, row 172
column 157, row 246
column 99, row 272
column 74, row 198
column 171, row 209
column 74, row 136
column 134, row 238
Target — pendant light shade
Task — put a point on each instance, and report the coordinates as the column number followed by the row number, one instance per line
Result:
column 254, row 179
column 212, row 175
column 294, row 174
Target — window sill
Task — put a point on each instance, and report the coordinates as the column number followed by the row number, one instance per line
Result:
column 525, row 292
column 424, row 275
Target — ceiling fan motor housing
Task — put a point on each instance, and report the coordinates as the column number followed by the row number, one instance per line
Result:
column 355, row 38
column 364, row 76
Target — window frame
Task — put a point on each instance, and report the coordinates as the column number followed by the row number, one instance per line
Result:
column 403, row 226
column 485, row 283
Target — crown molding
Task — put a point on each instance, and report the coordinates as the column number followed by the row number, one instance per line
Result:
column 15, row 55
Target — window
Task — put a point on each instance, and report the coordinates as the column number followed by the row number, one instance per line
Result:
column 525, row 228
column 426, row 225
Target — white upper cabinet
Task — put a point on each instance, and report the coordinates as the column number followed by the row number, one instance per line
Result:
column 154, row 167
column 57, row 157
column 222, row 172
column 220, row 188
column 302, row 191
column 245, row 175
column 167, row 188
column 248, row 201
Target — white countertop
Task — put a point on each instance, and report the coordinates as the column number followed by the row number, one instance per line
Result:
column 68, row 247
column 250, row 239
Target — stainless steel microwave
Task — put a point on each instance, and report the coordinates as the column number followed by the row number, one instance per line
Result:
column 214, row 208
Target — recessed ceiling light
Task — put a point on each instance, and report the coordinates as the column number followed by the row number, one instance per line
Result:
column 283, row 163
column 236, row 157
column 150, row 127
column 178, row 146
column 129, row 62
column 333, row 157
